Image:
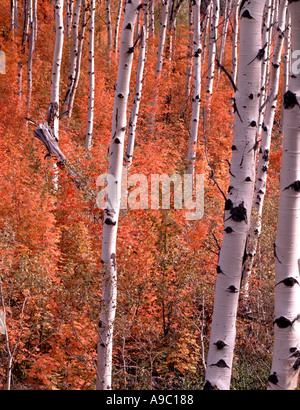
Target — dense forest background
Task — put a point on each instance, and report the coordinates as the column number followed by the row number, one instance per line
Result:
column 50, row 235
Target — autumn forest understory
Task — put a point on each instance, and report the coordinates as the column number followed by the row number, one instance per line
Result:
column 51, row 231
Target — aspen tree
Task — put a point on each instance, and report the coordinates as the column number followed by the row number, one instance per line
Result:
column 116, row 38
column 78, row 59
column 286, row 351
column 35, row 20
column 12, row 16
column 30, row 51
column 264, row 154
column 239, row 202
column 213, row 35
column 112, row 207
column 212, row 52
column 196, row 5
column 265, row 58
column 25, row 22
column 189, row 68
column 74, row 54
column 152, row 20
column 224, row 32
column 90, row 118
column 137, row 99
column 162, row 35
column 205, row 30
column 108, row 28
column 235, row 35
column 53, row 109
column 69, row 16
column 287, row 61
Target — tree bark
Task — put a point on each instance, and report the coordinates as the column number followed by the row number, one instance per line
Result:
column 108, row 29
column 78, row 59
column 112, row 208
column 162, row 35
column 213, row 35
column 116, row 38
column 53, row 111
column 137, row 99
column 224, row 32
column 264, row 156
column 90, row 118
column 196, row 5
column 235, row 35
column 239, row 202
column 69, row 16
column 32, row 39
column 74, row 54
column 286, row 351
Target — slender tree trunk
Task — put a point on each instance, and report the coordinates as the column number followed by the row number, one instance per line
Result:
column 287, row 61
column 78, row 59
column 212, row 51
column 264, row 157
column 196, row 5
column 19, row 80
column 266, row 41
column 90, row 119
column 69, row 16
column 25, row 23
column 137, row 99
column 205, row 29
column 108, row 29
column 214, row 22
column 74, row 54
column 239, row 203
column 189, row 68
column 235, row 35
column 224, row 32
column 53, row 109
column 116, row 38
column 32, row 36
column 152, row 20
column 35, row 20
column 162, row 35
column 111, row 213
column 286, row 353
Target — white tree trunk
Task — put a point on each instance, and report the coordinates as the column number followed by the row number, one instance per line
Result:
column 69, row 16
column 116, row 38
column 74, row 54
column 264, row 154
column 53, row 113
column 137, row 99
column 30, row 51
column 235, row 35
column 90, row 118
column 224, row 32
column 111, row 213
column 108, row 29
column 287, row 61
column 196, row 5
column 78, row 59
column 189, row 68
column 239, row 203
column 213, row 35
column 162, row 35
column 152, row 20
column 265, row 58
column 286, row 353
